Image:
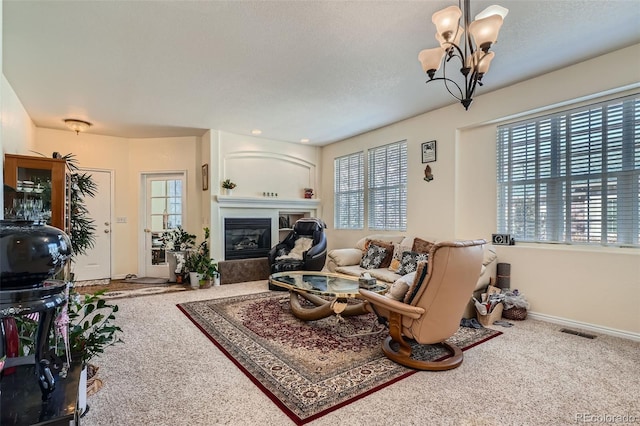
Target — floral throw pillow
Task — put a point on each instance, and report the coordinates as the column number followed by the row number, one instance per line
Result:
column 410, row 261
column 373, row 257
column 396, row 260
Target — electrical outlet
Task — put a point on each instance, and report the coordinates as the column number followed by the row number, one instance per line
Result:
column 121, row 220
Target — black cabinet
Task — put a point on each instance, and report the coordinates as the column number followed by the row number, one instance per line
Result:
column 21, row 399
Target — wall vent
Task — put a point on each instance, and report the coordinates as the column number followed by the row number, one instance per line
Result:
column 578, row 333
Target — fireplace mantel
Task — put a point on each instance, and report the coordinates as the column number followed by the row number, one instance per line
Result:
column 239, row 206
column 266, row 202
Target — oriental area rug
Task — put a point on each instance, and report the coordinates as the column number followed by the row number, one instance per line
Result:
column 307, row 368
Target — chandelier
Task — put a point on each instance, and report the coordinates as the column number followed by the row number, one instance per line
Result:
column 474, row 56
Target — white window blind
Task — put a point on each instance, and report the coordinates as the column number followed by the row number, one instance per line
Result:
column 572, row 177
column 349, row 191
column 387, row 183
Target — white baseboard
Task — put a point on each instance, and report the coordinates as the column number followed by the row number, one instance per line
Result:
column 586, row 326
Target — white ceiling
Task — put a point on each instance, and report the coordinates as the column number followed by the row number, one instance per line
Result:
column 323, row 70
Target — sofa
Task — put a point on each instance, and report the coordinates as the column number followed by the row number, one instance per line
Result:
column 398, row 262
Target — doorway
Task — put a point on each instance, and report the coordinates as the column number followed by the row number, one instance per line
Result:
column 164, row 209
column 96, row 263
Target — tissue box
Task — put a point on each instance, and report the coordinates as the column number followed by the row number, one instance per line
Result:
column 366, row 283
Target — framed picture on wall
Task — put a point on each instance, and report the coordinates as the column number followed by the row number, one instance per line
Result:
column 429, row 151
column 205, row 177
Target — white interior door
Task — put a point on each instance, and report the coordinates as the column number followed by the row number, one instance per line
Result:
column 165, row 207
column 96, row 263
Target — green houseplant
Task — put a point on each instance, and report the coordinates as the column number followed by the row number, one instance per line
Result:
column 200, row 264
column 176, row 242
column 91, row 325
column 227, row 184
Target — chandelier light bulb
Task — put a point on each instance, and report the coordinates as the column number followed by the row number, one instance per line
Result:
column 485, row 31
column 446, row 21
column 493, row 10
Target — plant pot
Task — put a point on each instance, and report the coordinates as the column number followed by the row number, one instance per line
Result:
column 228, row 191
column 194, row 279
column 207, row 283
column 82, row 391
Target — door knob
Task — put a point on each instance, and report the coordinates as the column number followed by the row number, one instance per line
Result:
column 106, row 224
column 106, row 231
column 147, row 230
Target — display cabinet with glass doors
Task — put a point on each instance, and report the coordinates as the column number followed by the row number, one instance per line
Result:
column 39, row 190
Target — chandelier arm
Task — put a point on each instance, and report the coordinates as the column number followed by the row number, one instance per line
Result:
column 471, row 86
column 445, row 79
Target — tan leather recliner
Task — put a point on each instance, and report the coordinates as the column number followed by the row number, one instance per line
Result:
column 433, row 306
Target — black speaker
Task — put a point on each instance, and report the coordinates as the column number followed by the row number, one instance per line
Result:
column 503, row 279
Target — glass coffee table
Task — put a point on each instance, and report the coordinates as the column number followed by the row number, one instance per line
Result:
column 329, row 293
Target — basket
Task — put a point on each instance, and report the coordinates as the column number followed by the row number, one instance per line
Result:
column 516, row 314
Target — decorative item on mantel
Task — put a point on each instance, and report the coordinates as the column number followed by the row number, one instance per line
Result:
column 228, row 186
column 308, row 193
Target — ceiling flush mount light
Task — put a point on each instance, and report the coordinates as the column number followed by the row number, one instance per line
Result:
column 304, row 140
column 469, row 44
column 256, row 132
column 77, row 125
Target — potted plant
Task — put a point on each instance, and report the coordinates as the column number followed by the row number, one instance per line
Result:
column 91, row 330
column 192, row 264
column 209, row 274
column 228, row 186
column 199, row 263
column 176, row 241
column 180, row 268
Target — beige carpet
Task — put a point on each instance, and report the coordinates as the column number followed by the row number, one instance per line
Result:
column 168, row 373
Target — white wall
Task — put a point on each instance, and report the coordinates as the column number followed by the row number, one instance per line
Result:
column 258, row 165
column 128, row 159
column 598, row 288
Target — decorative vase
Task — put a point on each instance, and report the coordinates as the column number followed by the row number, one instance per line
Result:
column 228, row 191
column 30, row 253
column 206, row 283
column 216, row 280
column 194, row 279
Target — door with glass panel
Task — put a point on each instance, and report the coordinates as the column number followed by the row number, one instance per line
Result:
column 165, row 196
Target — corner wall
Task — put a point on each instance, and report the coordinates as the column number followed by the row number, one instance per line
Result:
column 595, row 288
column 128, row 159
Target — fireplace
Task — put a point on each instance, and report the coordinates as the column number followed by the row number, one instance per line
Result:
column 246, row 238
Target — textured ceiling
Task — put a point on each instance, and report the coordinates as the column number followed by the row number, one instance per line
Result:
column 323, row 70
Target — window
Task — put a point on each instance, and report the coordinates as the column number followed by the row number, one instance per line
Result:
column 349, row 191
column 572, row 177
column 387, row 184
